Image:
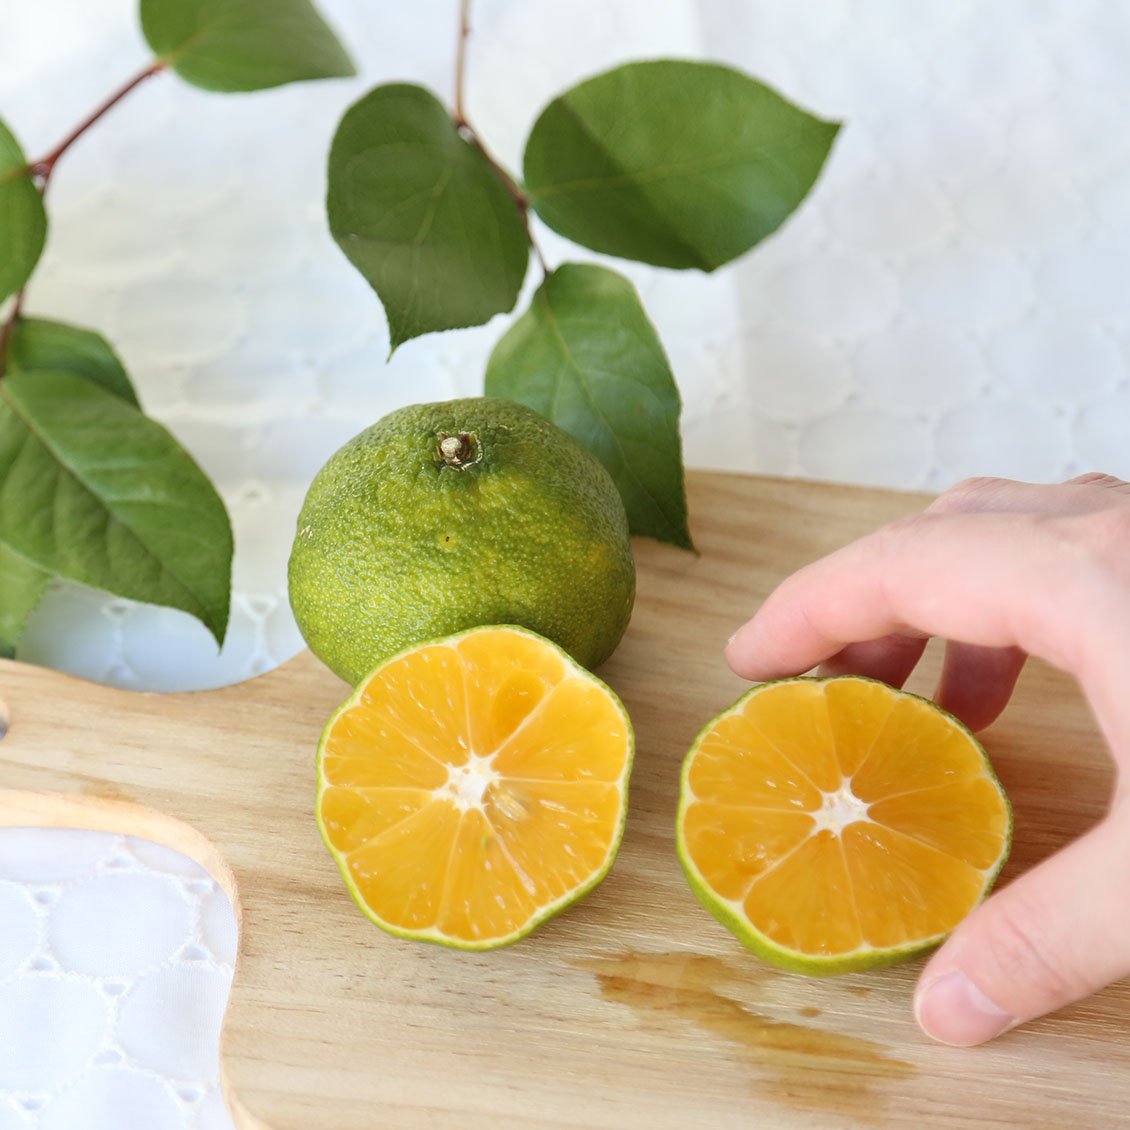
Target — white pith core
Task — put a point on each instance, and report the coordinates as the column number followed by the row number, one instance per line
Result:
column 841, row 808
column 467, row 784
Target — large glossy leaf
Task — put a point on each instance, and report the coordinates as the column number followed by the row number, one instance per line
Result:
column 94, row 491
column 22, row 586
column 679, row 164
column 420, row 213
column 237, row 45
column 586, row 356
column 36, row 343
column 23, row 222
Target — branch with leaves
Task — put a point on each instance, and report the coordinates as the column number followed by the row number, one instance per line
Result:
column 677, row 164
column 91, row 489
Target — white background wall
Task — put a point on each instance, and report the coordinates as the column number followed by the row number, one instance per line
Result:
column 951, row 300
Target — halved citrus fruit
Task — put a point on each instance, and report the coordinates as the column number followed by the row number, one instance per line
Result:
column 839, row 824
column 474, row 786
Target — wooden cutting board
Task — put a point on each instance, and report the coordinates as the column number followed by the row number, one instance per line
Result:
column 635, row 1009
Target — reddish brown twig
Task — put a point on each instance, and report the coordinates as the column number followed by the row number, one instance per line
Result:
column 459, row 116
column 42, row 169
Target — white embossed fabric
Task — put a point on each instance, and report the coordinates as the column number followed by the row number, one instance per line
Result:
column 115, row 962
column 950, row 301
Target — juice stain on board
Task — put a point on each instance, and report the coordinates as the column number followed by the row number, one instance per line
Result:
column 806, row 1067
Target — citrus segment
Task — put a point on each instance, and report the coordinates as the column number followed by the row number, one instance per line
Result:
column 908, row 891
column 799, row 725
column 767, row 780
column 961, row 819
column 474, row 786
column 838, row 824
column 486, row 896
column 917, row 748
column 805, row 902
column 404, row 764
column 736, row 845
column 353, row 817
column 506, row 683
column 589, row 748
column 857, row 713
column 555, row 835
column 403, row 871
column 424, row 700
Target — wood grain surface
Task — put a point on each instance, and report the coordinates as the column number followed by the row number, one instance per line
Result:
column 633, row 1009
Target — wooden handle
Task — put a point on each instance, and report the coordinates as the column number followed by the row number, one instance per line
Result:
column 71, row 757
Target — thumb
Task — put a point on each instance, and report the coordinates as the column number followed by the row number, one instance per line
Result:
column 1056, row 934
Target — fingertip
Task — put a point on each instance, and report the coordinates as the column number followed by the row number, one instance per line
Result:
column 740, row 652
column 952, row 1010
column 1051, row 937
column 750, row 654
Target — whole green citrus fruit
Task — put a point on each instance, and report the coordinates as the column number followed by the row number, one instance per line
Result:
column 444, row 517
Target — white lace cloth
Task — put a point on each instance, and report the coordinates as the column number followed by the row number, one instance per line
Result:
column 950, row 301
column 115, row 962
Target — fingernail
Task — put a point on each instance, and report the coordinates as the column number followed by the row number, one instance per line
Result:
column 952, row 1010
column 733, row 637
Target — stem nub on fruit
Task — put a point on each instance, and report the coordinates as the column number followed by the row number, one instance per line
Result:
column 458, row 450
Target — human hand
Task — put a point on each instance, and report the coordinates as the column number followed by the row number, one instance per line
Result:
column 1000, row 570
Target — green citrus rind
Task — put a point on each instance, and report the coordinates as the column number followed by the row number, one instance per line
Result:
column 395, row 544
column 866, row 957
column 432, row 935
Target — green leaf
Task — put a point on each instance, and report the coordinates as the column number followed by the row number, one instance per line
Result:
column 238, row 45
column 419, row 211
column 36, row 343
column 94, row 491
column 677, row 164
column 586, row 356
column 23, row 221
column 22, row 586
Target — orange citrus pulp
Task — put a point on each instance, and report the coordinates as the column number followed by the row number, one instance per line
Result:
column 837, row 824
column 474, row 786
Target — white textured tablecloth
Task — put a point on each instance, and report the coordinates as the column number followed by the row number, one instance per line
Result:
column 952, row 300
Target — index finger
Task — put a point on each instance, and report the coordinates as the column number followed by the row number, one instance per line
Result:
column 992, row 579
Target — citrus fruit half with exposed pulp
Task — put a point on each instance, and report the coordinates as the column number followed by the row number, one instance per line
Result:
column 839, row 824
column 443, row 517
column 473, row 787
